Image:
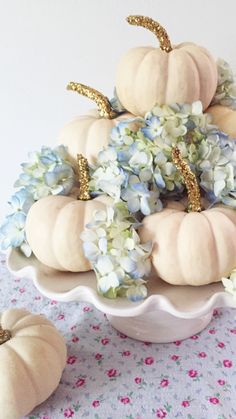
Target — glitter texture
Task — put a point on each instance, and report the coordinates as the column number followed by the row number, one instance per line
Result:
column 104, row 106
column 154, row 27
column 83, row 177
column 190, row 180
column 5, row 335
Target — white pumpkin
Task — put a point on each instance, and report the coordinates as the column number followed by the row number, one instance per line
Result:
column 224, row 118
column 170, row 74
column 32, row 358
column 196, row 247
column 88, row 134
column 53, row 228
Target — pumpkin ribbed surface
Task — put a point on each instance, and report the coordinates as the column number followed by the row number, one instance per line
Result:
column 53, row 229
column 192, row 248
column 32, row 362
column 147, row 76
column 224, row 118
column 88, row 134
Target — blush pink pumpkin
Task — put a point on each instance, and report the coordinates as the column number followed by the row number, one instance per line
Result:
column 53, row 228
column 170, row 74
column 88, row 134
column 224, row 118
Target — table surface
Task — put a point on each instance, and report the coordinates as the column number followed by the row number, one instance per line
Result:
column 109, row 376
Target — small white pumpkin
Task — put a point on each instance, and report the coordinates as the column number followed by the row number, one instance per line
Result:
column 53, row 228
column 196, row 247
column 224, row 118
column 89, row 134
column 146, row 76
column 32, row 358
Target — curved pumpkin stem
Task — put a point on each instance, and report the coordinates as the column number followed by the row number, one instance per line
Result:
column 5, row 335
column 83, row 177
column 154, row 27
column 190, row 180
column 104, row 106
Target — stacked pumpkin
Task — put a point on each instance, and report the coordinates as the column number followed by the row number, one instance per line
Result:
column 192, row 244
column 196, row 247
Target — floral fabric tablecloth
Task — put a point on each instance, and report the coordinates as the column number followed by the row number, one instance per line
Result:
column 109, row 376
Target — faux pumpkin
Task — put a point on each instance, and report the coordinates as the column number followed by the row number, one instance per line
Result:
column 53, row 228
column 224, row 118
column 89, row 134
column 183, row 73
column 32, row 358
column 196, row 247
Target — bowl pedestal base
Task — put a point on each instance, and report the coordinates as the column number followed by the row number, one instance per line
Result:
column 159, row 326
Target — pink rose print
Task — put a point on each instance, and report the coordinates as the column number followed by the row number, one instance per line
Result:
column 75, row 339
column 112, row 373
column 192, row 373
column 233, row 331
column 138, row 380
column 53, row 302
column 37, row 298
column 194, row 337
column 214, row 400
column 105, row 341
column 221, row 382
column 185, row 403
column 161, row 413
column 227, row 363
column 125, row 400
column 86, row 309
column 69, row 413
column 122, row 335
column 96, row 327
column 164, row 382
column 149, row 360
column 221, row 344
column 96, row 403
column 202, row 355
column 60, row 317
column 126, row 353
column 177, row 342
column 22, row 290
column 80, row 382
column 13, row 301
column 147, row 343
column 98, row 356
column 73, row 327
column 175, row 357
column 212, row 331
column 71, row 359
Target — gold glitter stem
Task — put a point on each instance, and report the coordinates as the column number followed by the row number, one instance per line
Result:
column 83, row 177
column 104, row 106
column 5, row 335
column 190, row 180
column 154, row 27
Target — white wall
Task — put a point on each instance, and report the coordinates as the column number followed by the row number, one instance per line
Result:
column 46, row 43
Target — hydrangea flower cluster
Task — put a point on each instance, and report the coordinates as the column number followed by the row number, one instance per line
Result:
column 226, row 88
column 137, row 166
column 119, row 260
column 230, row 284
column 47, row 172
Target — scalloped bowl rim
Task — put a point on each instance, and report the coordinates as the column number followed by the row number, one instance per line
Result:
column 120, row 307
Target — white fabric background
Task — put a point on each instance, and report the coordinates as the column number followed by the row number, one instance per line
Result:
column 46, row 43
